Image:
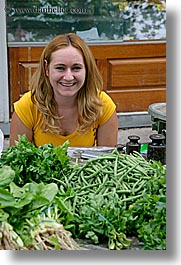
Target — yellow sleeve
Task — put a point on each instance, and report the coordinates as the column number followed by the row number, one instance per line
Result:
column 108, row 108
column 26, row 110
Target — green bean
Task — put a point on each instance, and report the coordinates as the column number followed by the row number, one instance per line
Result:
column 133, row 179
column 102, row 185
column 89, row 169
column 126, row 173
column 98, row 170
column 59, row 181
column 115, row 166
column 121, row 163
column 122, row 172
column 61, row 188
column 99, row 180
column 123, row 191
column 79, row 179
column 83, row 193
column 131, row 198
column 96, row 167
column 88, row 186
column 140, row 186
column 135, row 184
column 105, row 191
column 107, row 171
column 72, row 175
column 126, row 185
column 82, row 178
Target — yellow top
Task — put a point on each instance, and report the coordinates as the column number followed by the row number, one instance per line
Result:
column 29, row 114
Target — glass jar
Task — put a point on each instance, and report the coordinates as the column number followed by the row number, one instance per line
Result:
column 133, row 144
column 157, row 148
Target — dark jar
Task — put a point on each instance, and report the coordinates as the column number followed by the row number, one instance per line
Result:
column 157, row 148
column 120, row 148
column 133, row 144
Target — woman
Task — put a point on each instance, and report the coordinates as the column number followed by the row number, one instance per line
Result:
column 65, row 101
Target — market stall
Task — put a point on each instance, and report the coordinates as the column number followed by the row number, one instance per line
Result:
column 111, row 200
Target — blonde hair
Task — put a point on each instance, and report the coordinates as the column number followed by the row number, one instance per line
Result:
column 89, row 102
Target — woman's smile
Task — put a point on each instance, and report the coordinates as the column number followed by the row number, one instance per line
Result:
column 67, row 84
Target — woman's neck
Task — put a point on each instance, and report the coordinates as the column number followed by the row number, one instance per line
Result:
column 64, row 103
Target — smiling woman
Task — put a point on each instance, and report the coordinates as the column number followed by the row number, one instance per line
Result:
column 66, row 101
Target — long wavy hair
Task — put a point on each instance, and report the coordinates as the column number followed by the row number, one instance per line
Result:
column 88, row 100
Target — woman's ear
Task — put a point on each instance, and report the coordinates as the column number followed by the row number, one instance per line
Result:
column 46, row 67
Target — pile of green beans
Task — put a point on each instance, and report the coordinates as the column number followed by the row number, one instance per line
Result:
column 123, row 174
column 97, row 193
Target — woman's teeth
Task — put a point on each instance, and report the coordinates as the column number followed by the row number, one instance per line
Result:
column 68, row 85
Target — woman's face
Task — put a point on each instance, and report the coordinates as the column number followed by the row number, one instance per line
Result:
column 66, row 71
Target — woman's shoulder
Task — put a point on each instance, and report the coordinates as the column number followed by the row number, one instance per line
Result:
column 26, row 95
column 108, row 107
column 106, row 98
column 25, row 102
column 25, row 99
column 27, row 110
column 103, row 94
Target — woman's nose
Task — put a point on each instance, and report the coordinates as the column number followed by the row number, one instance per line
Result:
column 68, row 75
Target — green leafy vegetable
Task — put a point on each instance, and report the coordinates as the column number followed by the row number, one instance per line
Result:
column 35, row 164
column 147, row 215
column 6, row 176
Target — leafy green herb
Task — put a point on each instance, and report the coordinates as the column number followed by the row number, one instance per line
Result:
column 146, row 217
column 36, row 164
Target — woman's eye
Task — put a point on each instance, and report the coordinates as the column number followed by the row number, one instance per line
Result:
column 76, row 68
column 60, row 68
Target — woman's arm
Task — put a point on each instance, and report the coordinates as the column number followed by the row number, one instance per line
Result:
column 107, row 134
column 17, row 127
